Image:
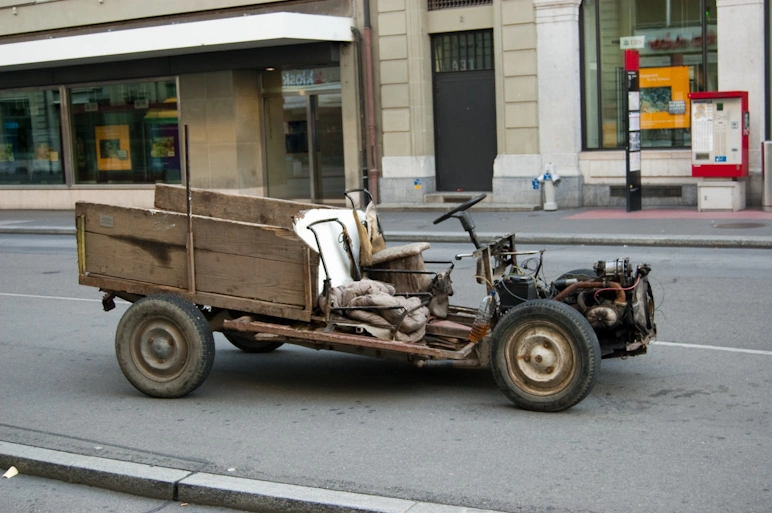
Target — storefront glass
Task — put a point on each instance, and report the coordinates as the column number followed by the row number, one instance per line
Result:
column 677, row 42
column 30, row 138
column 126, row 133
column 304, row 134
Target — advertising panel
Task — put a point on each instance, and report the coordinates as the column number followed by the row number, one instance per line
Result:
column 664, row 97
column 112, row 148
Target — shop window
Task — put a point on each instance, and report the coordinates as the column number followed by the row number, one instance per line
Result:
column 678, row 56
column 304, row 134
column 30, row 138
column 463, row 51
column 126, row 133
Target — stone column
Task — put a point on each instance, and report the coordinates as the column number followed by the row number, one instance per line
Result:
column 741, row 68
column 222, row 110
column 559, row 81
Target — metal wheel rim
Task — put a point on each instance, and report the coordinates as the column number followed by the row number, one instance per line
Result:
column 540, row 358
column 159, row 349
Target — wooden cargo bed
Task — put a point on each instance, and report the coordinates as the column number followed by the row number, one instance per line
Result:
column 256, row 267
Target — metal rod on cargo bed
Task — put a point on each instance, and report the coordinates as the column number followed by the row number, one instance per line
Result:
column 189, row 244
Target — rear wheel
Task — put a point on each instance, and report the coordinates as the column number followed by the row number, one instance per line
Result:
column 544, row 356
column 249, row 344
column 164, row 346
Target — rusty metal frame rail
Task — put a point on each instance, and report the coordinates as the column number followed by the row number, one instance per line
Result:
column 248, row 325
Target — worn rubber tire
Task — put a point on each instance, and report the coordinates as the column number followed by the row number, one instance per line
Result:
column 579, row 273
column 545, row 356
column 248, row 344
column 164, row 346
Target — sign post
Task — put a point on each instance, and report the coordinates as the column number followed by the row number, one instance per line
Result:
column 633, row 146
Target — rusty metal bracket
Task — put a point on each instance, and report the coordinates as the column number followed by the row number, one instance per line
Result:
column 108, row 302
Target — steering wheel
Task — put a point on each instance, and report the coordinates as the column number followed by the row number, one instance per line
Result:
column 468, row 204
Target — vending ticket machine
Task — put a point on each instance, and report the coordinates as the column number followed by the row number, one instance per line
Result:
column 720, row 125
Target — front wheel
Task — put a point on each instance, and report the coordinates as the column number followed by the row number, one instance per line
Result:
column 544, row 356
column 164, row 346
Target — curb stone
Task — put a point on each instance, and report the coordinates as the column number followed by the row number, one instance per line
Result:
column 696, row 241
column 201, row 488
column 683, row 241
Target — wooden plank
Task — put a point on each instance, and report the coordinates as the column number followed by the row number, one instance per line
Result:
column 276, row 281
column 235, row 207
column 447, row 328
column 248, row 326
column 311, row 276
column 135, row 259
column 200, row 298
column 134, row 223
column 268, row 242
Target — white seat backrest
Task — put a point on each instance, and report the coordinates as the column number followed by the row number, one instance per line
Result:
column 333, row 250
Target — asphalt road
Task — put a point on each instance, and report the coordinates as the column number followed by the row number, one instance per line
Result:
column 682, row 429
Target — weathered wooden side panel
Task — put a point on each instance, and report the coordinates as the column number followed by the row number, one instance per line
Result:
column 269, row 242
column 135, row 244
column 267, row 268
column 134, row 223
column 249, row 277
column 134, row 259
column 234, row 207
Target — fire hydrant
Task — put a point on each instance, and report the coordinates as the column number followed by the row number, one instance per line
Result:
column 550, row 180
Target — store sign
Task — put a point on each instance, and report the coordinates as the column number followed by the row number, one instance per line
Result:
column 686, row 39
column 632, row 42
column 309, row 77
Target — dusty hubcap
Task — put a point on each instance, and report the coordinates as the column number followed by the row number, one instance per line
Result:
column 159, row 349
column 540, row 358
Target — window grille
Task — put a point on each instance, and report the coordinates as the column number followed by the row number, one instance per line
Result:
column 435, row 5
column 463, row 51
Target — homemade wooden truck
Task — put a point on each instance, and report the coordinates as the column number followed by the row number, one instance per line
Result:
column 265, row 272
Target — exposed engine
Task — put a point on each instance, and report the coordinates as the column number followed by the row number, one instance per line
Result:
column 615, row 298
column 617, row 301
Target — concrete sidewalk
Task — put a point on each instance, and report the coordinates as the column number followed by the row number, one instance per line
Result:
column 673, row 227
column 202, row 488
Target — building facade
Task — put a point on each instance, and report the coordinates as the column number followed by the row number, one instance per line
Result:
column 555, row 94
column 274, row 98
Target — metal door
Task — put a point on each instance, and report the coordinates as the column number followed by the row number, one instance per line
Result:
column 465, row 130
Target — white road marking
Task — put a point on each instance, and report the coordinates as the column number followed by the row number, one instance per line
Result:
column 656, row 342
column 33, row 296
column 714, row 348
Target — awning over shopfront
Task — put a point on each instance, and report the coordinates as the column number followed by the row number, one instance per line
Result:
column 243, row 32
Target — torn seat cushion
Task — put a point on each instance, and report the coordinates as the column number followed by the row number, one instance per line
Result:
column 408, row 257
column 370, row 293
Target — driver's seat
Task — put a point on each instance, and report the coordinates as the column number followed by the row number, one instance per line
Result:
column 407, row 258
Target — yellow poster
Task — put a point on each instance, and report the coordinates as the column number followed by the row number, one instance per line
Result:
column 112, row 147
column 664, row 97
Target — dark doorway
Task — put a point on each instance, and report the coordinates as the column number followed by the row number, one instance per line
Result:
column 465, row 130
column 464, row 111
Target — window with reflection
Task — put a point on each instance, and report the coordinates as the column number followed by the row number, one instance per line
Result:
column 126, row 133
column 677, row 42
column 30, row 138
